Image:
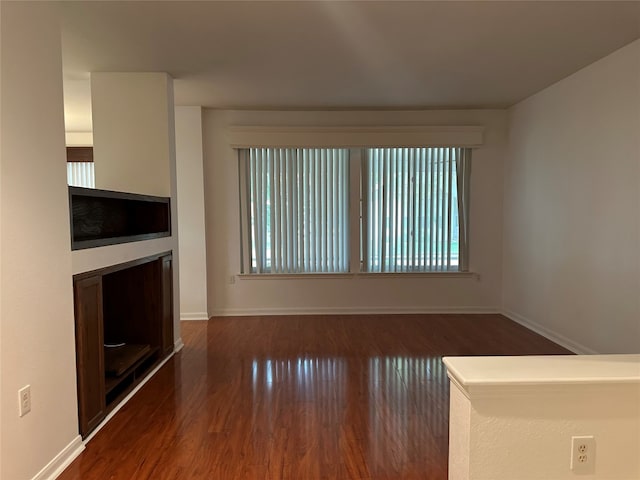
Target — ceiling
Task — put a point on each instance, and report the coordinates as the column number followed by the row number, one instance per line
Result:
column 306, row 54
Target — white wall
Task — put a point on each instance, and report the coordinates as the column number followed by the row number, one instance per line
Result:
column 384, row 294
column 1, row 135
column 191, row 228
column 90, row 259
column 79, row 139
column 528, row 436
column 571, row 222
column 131, row 131
column 37, row 327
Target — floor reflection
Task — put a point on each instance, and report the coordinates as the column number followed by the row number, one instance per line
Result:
column 390, row 408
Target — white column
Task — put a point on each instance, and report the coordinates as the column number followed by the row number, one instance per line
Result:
column 133, row 131
column 191, row 226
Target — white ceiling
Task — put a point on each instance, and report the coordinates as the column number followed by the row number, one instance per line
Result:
column 384, row 54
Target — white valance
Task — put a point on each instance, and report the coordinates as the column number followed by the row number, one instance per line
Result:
column 348, row 137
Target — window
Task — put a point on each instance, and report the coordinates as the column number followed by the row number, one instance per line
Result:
column 296, row 209
column 416, row 203
column 80, row 171
column 80, row 174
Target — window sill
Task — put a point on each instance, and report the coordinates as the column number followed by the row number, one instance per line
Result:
column 443, row 274
column 292, row 276
column 346, row 275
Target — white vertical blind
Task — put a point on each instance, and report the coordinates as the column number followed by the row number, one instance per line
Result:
column 416, row 209
column 81, row 174
column 297, row 203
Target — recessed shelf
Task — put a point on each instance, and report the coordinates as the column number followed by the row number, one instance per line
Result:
column 121, row 365
column 117, row 360
column 104, row 217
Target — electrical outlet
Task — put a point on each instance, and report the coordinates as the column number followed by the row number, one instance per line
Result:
column 583, row 454
column 232, row 279
column 24, row 400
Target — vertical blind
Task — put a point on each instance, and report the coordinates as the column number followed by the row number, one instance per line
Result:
column 416, row 209
column 81, row 174
column 295, row 209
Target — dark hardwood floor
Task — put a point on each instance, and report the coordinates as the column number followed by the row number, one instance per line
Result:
column 312, row 397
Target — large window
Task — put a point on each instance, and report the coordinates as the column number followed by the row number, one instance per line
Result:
column 416, row 204
column 413, row 214
column 296, row 209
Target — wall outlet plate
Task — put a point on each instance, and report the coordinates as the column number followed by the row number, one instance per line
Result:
column 24, row 400
column 583, row 454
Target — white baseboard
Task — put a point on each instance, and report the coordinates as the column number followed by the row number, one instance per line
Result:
column 233, row 312
column 549, row 334
column 178, row 345
column 127, row 398
column 194, row 316
column 61, row 461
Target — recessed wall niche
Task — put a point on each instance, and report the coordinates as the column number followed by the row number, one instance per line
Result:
column 104, row 217
column 124, row 328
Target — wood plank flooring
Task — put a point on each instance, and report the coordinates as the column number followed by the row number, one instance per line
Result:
column 310, row 397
